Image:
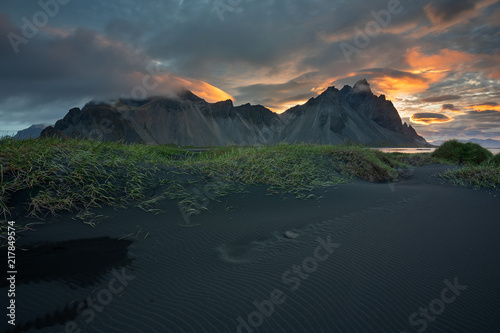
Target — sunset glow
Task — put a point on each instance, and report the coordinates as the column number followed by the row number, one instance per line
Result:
column 206, row 91
column 486, row 107
column 429, row 118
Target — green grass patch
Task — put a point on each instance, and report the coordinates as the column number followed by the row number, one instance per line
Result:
column 487, row 177
column 294, row 168
column 456, row 152
column 53, row 175
column 481, row 169
column 59, row 175
column 496, row 160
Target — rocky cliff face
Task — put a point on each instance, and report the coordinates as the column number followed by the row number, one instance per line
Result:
column 334, row 117
column 96, row 121
column 349, row 115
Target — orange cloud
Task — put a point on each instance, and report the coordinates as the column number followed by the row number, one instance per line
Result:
column 425, row 70
column 388, row 82
column 454, row 61
column 489, row 106
column 206, row 91
column 396, row 86
column 444, row 61
column 168, row 84
column 429, row 118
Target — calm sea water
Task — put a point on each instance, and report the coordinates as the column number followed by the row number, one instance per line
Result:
column 421, row 150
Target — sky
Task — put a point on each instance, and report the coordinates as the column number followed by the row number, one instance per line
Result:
column 438, row 61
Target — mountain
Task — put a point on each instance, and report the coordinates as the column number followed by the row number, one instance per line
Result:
column 488, row 143
column 188, row 120
column 31, row 132
column 350, row 115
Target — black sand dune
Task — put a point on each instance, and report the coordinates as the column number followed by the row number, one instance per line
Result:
column 366, row 258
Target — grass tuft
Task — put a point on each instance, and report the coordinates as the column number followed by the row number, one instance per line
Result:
column 481, row 168
column 475, row 176
column 496, row 160
column 60, row 175
column 456, row 152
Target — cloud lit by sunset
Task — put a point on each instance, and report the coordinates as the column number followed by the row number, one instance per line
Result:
column 395, row 87
column 429, row 118
column 422, row 71
column 451, row 108
column 489, row 106
column 202, row 89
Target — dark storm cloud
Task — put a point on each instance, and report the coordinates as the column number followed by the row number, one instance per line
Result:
column 261, row 34
column 267, row 35
column 449, row 107
column 448, row 10
column 430, row 115
column 57, row 73
column 121, row 29
column 275, row 95
column 488, row 116
column 441, row 98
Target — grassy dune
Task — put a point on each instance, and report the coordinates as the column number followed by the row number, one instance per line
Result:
column 41, row 177
column 481, row 169
column 56, row 175
column 52, row 176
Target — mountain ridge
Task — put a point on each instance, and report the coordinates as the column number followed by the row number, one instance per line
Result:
column 33, row 131
column 350, row 115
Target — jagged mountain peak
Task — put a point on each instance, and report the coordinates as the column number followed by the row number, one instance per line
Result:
column 362, row 86
column 330, row 90
column 360, row 90
column 226, row 103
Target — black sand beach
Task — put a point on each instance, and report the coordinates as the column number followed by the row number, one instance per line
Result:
column 412, row 256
